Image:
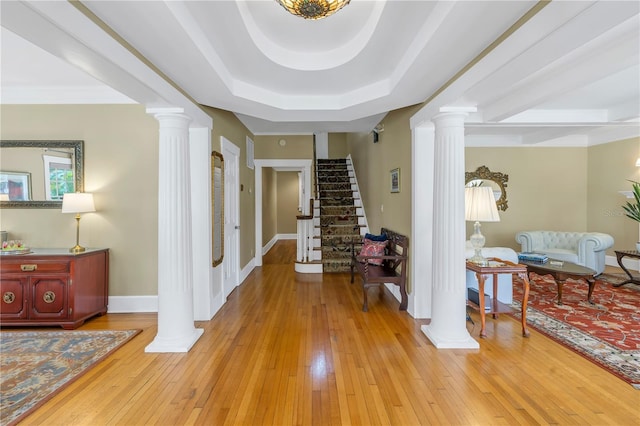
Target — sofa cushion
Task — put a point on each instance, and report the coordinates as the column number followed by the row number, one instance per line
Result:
column 562, row 254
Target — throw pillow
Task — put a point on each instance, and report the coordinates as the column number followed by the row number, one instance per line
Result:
column 373, row 248
column 372, row 237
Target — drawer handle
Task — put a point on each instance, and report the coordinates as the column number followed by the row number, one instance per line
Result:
column 49, row 296
column 8, row 297
column 28, row 268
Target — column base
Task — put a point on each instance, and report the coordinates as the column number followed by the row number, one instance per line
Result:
column 182, row 344
column 441, row 342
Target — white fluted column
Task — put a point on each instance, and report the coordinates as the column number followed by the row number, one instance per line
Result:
column 448, row 310
column 176, row 330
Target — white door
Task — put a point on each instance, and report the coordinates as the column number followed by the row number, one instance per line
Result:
column 231, row 260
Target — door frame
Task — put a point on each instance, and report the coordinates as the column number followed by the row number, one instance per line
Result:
column 300, row 165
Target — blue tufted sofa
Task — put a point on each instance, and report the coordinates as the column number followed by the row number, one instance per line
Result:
column 584, row 248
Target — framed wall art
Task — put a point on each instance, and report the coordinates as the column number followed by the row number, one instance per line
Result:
column 395, row 180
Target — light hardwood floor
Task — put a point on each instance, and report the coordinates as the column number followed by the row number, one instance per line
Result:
column 297, row 349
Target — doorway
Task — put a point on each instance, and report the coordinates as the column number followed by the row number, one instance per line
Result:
column 230, row 263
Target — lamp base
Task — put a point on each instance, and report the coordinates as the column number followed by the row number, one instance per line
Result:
column 478, row 260
column 77, row 249
column 477, row 241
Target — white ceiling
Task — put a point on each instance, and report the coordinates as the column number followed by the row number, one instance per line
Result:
column 570, row 75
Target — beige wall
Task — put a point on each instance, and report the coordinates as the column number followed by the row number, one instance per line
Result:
column 609, row 168
column 338, row 147
column 566, row 189
column 121, row 170
column 547, row 189
column 227, row 124
column 269, row 205
column 373, row 163
column 296, row 147
column 287, row 202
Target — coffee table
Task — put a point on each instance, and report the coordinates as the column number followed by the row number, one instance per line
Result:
column 561, row 270
column 627, row 253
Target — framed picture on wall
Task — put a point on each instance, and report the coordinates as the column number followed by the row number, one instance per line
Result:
column 15, row 186
column 395, row 180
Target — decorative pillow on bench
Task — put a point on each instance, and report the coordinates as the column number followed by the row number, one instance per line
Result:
column 373, row 248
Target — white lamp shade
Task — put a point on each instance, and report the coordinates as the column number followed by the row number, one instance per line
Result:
column 78, row 202
column 480, row 204
column 638, row 162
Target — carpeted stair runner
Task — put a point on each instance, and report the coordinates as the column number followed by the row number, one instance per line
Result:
column 338, row 215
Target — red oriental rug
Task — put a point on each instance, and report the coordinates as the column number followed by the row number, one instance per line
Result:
column 607, row 332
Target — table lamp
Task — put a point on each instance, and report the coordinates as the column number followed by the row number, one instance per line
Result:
column 77, row 202
column 479, row 206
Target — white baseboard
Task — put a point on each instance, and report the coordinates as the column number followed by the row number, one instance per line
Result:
column 131, row 304
column 244, row 272
column 287, row 236
column 275, row 239
column 142, row 304
column 395, row 291
column 218, row 301
column 308, row 268
column 629, row 263
column 270, row 244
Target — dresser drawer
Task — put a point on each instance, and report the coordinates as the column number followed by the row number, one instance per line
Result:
column 34, row 266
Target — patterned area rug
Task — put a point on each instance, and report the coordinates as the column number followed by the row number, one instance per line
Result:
column 36, row 365
column 607, row 332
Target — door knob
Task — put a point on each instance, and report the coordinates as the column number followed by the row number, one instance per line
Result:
column 237, row 227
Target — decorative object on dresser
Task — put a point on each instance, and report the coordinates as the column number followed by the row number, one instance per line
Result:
column 52, row 287
column 479, row 205
column 78, row 202
column 582, row 248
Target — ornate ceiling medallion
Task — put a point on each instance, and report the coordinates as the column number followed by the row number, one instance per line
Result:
column 313, row 9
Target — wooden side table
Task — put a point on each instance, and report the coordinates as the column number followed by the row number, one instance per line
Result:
column 619, row 256
column 499, row 266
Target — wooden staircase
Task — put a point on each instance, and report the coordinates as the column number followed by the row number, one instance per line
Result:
column 338, row 214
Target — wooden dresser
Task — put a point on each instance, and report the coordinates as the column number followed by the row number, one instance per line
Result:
column 53, row 287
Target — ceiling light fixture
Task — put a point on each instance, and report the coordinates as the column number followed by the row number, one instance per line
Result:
column 313, row 9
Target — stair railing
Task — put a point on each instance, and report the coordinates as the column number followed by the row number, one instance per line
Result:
column 305, row 236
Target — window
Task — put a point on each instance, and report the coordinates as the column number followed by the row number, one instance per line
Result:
column 58, row 177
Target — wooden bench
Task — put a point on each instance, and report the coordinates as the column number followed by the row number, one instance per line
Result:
column 393, row 269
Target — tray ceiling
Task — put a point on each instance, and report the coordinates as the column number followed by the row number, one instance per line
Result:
column 570, row 74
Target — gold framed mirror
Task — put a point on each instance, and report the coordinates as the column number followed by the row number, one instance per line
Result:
column 217, row 208
column 497, row 181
